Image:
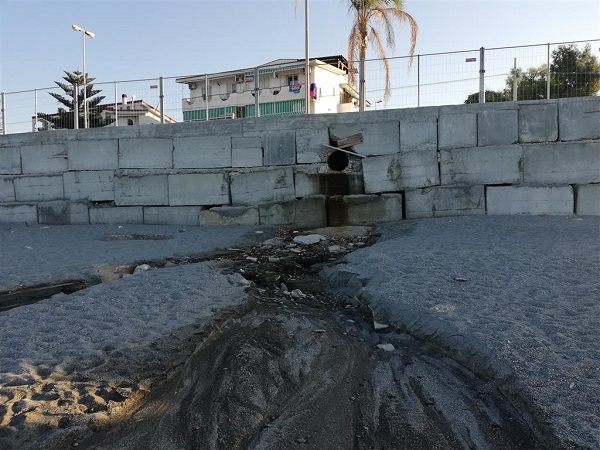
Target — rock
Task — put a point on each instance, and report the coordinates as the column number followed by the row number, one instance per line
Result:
column 386, row 347
column 141, row 268
column 236, row 279
column 295, row 250
column 297, row 293
column 335, row 249
column 309, row 239
column 277, row 242
column 380, row 326
column 251, row 258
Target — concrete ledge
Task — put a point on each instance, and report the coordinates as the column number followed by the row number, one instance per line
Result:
column 588, row 200
column 457, row 130
column 145, row 153
column 198, row 189
column 229, row 215
column 116, row 215
column 308, row 145
column 538, row 122
column 172, row 215
column 562, row 162
column 379, row 137
column 7, row 190
column 551, row 200
column 62, row 212
column 330, row 183
column 482, row 165
column 497, row 127
column 246, row 152
column 89, row 185
column 279, row 148
column 418, row 134
column 10, row 161
column 364, row 209
column 392, row 173
column 93, row 155
column 262, row 186
column 309, row 212
column 204, row 152
column 39, row 188
column 141, row 190
column 444, row 201
column 17, row 213
column 579, row 119
column 45, row 159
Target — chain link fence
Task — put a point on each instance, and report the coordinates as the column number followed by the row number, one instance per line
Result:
column 468, row 76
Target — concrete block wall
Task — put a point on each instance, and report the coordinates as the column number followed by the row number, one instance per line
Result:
column 539, row 157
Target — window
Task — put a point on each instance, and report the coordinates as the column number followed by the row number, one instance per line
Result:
column 292, row 79
column 129, row 122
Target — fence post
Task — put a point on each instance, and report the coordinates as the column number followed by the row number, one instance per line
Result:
column 35, row 110
column 116, row 107
column 75, row 106
column 362, row 95
column 418, row 80
column 206, row 93
column 257, row 92
column 548, row 75
column 515, row 81
column 162, row 99
column 481, row 75
column 3, row 113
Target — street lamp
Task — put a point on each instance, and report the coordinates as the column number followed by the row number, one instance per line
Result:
column 84, row 33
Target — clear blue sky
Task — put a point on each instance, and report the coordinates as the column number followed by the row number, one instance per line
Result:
column 150, row 38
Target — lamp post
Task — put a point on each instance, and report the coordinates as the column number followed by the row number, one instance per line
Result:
column 84, row 33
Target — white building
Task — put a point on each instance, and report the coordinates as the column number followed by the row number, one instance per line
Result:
column 282, row 88
column 133, row 112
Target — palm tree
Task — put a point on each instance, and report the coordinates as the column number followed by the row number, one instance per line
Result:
column 368, row 16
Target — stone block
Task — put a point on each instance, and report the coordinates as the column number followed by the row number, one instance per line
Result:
column 39, row 188
column 262, row 186
column 457, row 130
column 364, row 209
column 537, row 200
column 588, row 200
column 44, row 158
column 418, row 134
column 279, row 148
column 93, row 155
column 202, row 152
column 246, row 151
column 538, row 122
column 198, row 189
column 444, row 201
column 328, row 184
column 89, row 185
column 229, row 215
column 392, row 173
column 562, row 163
column 172, row 215
column 579, row 119
column 309, row 212
column 482, row 165
column 379, row 137
column 309, row 145
column 16, row 213
column 497, row 127
column 133, row 190
column 61, row 212
column 10, row 161
column 117, row 215
column 7, row 190
column 145, row 153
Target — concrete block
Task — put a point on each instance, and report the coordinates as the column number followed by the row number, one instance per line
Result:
column 145, row 153
column 10, row 161
column 482, row 165
column 7, row 190
column 93, row 155
column 172, row 215
column 309, row 145
column 328, row 184
column 397, row 172
column 39, row 188
column 588, row 200
column 379, row 137
column 562, row 163
column 279, row 148
column 309, row 212
column 141, row 190
column 509, row 200
column 538, row 122
column 262, row 186
column 457, row 130
column 444, row 201
column 246, row 151
column 18, row 213
column 117, row 215
column 51, row 158
column 89, row 185
column 364, row 209
column 229, row 215
column 497, row 127
column 202, row 152
column 61, row 212
column 198, row 189
column 418, row 134
column 579, row 119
